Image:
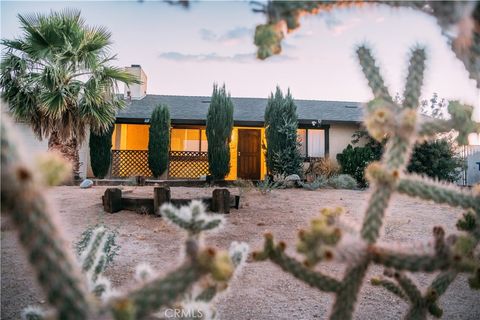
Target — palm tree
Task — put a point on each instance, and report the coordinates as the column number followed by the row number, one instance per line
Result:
column 58, row 79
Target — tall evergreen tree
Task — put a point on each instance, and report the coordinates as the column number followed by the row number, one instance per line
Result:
column 159, row 140
column 281, row 124
column 219, row 130
column 100, row 148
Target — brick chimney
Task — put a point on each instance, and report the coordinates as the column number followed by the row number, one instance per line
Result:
column 136, row 91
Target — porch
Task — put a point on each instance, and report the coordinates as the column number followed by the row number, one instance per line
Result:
column 188, row 157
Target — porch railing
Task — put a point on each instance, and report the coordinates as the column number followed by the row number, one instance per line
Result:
column 187, row 164
column 181, row 165
column 127, row 163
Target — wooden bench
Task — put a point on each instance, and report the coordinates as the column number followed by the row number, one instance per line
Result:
column 113, row 201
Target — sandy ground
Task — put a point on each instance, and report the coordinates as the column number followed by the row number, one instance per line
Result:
column 262, row 290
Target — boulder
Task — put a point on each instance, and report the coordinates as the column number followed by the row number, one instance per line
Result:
column 87, row 183
column 292, row 180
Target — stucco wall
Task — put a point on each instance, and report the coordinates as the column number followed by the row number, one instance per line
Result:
column 340, row 136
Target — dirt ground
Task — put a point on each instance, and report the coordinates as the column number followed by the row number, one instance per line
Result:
column 262, row 290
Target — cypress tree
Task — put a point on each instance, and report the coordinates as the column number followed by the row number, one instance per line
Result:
column 100, row 148
column 219, row 130
column 159, row 140
column 281, row 124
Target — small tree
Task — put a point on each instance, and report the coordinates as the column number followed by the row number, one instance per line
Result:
column 159, row 140
column 281, row 124
column 219, row 130
column 436, row 159
column 100, row 148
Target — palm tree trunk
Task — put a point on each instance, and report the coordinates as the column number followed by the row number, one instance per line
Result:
column 68, row 149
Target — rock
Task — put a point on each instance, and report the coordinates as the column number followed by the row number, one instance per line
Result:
column 292, row 177
column 87, row 183
column 292, row 180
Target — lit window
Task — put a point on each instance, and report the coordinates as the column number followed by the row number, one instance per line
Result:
column 188, row 140
column 312, row 142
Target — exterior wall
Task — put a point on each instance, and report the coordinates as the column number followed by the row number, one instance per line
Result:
column 340, row 136
column 135, row 137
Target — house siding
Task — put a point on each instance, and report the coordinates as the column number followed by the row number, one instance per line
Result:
column 340, row 135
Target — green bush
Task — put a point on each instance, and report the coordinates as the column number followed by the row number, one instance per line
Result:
column 281, row 125
column 100, row 152
column 436, row 159
column 354, row 160
column 159, row 140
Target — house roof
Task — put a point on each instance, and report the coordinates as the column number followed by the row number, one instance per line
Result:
column 193, row 110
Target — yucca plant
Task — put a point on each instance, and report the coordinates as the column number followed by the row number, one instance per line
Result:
column 58, row 78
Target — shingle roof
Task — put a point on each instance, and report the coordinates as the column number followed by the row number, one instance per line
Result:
column 184, row 108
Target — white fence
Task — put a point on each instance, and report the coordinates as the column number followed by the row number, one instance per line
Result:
column 471, row 173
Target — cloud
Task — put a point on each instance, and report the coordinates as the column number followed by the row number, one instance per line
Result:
column 206, row 57
column 213, row 57
column 230, row 37
column 342, row 27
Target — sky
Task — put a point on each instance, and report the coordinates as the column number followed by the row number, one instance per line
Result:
column 184, row 51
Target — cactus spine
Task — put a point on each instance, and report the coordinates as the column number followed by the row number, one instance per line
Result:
column 60, row 276
column 449, row 256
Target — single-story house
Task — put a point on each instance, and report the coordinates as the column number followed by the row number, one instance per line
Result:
column 325, row 129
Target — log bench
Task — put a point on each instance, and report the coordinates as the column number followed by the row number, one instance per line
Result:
column 113, row 201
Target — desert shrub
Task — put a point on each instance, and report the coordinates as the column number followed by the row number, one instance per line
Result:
column 325, row 167
column 159, row 140
column 244, row 186
column 100, row 152
column 436, row 159
column 266, row 186
column 354, row 160
column 281, row 124
column 319, row 182
column 219, row 130
column 342, row 181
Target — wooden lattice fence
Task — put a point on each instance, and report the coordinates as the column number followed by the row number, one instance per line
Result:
column 128, row 163
column 182, row 164
column 188, row 164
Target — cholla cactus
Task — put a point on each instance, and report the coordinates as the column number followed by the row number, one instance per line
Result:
column 326, row 240
column 60, row 275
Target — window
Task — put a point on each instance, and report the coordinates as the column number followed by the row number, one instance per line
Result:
column 312, row 142
column 302, row 137
column 188, row 139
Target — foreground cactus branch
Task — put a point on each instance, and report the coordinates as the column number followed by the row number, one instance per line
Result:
column 76, row 296
column 447, row 255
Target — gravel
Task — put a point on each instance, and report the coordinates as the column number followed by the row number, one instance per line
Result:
column 261, row 290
